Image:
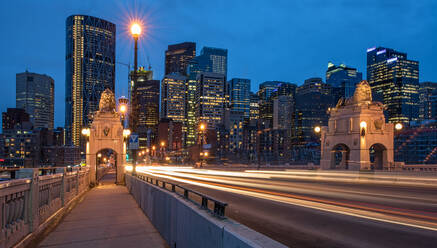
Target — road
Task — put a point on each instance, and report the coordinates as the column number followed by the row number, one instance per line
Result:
column 302, row 209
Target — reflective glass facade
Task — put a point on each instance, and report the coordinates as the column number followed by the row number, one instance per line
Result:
column 89, row 70
column 395, row 82
column 240, row 95
column 35, row 93
column 178, row 56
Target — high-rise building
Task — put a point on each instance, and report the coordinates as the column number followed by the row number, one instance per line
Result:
column 35, row 93
column 427, row 103
column 214, row 60
column 313, row 99
column 147, row 108
column 344, row 78
column 173, row 97
column 239, row 93
column 395, row 82
column 267, row 91
column 178, row 56
column 283, row 112
column 14, row 117
column 254, row 106
column 89, row 70
column 210, row 98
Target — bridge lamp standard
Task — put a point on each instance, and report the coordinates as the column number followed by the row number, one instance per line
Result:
column 317, row 129
column 202, row 128
column 398, row 126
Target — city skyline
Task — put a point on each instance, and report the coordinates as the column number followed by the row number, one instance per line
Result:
column 308, row 58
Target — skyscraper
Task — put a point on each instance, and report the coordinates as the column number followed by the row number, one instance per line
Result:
column 265, row 92
column 344, row 78
column 427, row 103
column 210, row 98
column 254, row 106
column 147, row 108
column 395, row 82
column 239, row 90
column 35, row 93
column 89, row 69
column 178, row 56
column 173, row 97
column 216, row 60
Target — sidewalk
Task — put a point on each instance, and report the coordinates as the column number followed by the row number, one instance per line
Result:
column 107, row 217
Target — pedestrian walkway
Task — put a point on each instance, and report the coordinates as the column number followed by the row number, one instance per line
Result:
column 107, row 217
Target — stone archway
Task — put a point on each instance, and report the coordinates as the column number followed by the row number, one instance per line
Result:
column 359, row 124
column 340, row 155
column 106, row 132
column 378, row 156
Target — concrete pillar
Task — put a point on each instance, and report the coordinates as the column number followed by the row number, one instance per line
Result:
column 91, row 162
column 120, row 168
column 32, row 205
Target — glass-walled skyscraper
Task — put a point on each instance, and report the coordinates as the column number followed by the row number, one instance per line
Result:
column 395, row 82
column 35, row 93
column 89, row 70
column 178, row 56
column 343, row 78
column 240, row 95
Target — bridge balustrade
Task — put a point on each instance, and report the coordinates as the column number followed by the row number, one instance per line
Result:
column 28, row 201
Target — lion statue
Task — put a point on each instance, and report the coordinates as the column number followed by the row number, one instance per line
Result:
column 107, row 101
column 363, row 93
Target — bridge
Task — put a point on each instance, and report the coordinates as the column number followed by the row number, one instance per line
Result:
column 232, row 206
column 163, row 206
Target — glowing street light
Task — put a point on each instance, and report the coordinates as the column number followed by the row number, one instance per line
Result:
column 135, row 29
column 162, row 143
column 86, row 132
column 317, row 129
column 202, row 127
column 126, row 132
column 398, row 126
column 123, row 108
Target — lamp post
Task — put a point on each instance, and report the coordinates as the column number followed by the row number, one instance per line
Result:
column 162, row 145
column 202, row 128
column 136, row 32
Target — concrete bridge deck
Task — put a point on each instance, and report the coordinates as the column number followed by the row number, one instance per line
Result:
column 107, row 217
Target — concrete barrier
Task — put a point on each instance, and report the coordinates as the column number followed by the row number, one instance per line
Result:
column 183, row 224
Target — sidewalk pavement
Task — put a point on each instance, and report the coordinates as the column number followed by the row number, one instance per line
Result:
column 107, row 217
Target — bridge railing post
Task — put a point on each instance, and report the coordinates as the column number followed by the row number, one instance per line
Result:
column 32, row 205
column 63, row 171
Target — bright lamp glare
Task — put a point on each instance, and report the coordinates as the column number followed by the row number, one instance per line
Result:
column 135, row 29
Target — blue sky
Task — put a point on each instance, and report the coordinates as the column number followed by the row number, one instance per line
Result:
column 267, row 40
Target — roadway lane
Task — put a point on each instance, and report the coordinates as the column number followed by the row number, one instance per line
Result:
column 318, row 214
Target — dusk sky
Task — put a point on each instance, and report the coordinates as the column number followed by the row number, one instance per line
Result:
column 266, row 40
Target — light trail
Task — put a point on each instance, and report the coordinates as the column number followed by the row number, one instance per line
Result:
column 387, row 214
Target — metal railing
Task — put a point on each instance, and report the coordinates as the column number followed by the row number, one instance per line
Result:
column 217, row 210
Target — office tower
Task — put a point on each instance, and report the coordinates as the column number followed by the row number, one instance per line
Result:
column 178, row 56
column 239, row 94
column 343, row 78
column 313, row 99
column 146, row 109
column 254, row 106
column 283, row 112
column 395, row 82
column 173, row 97
column 427, row 103
column 89, row 70
column 265, row 92
column 211, row 59
column 14, row 117
column 35, row 93
column 210, row 98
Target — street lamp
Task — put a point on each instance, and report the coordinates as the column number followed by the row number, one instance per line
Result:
column 136, row 32
column 317, row 129
column 202, row 128
column 398, row 126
